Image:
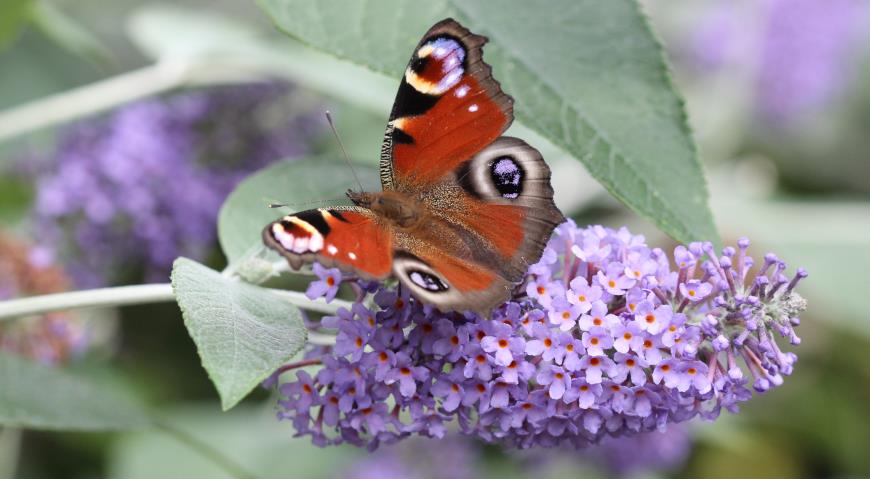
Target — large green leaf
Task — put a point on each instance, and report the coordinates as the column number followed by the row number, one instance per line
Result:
column 36, row 396
column 243, row 333
column 301, row 185
column 587, row 75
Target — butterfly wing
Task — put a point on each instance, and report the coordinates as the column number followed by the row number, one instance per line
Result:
column 447, row 109
column 350, row 238
column 489, row 200
column 496, row 221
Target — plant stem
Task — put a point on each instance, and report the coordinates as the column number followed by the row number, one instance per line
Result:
column 207, row 451
column 298, row 364
column 127, row 295
column 299, row 299
column 93, row 298
column 321, row 339
column 91, row 98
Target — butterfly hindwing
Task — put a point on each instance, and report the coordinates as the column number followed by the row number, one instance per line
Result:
column 349, row 238
column 447, row 109
column 496, row 223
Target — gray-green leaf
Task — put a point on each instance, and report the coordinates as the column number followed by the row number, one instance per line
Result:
column 587, row 75
column 245, row 212
column 243, row 333
column 36, row 396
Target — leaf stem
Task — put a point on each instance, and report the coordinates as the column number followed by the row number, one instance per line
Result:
column 127, row 295
column 93, row 298
column 207, row 451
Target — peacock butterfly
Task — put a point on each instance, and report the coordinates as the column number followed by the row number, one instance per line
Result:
column 463, row 211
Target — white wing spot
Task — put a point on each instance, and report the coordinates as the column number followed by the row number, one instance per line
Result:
column 332, row 249
column 351, row 255
column 473, row 108
column 462, row 91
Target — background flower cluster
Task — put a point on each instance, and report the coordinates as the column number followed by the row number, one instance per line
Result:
column 606, row 338
column 123, row 196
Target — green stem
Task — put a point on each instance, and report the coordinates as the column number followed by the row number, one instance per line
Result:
column 127, row 295
column 205, row 450
column 93, row 298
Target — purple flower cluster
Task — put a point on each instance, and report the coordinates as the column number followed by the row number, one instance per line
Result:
column 802, row 50
column 131, row 192
column 605, row 338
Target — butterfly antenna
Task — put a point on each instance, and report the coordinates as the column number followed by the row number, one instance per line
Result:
column 343, row 151
column 303, row 203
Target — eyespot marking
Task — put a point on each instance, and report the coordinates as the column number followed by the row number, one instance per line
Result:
column 507, row 176
column 427, row 281
column 437, row 66
column 297, row 236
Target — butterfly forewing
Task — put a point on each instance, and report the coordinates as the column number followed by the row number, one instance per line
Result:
column 350, row 238
column 447, row 109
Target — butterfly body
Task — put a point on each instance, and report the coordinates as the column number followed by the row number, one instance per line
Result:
column 463, row 211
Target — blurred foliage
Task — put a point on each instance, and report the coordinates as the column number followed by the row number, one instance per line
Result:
column 801, row 190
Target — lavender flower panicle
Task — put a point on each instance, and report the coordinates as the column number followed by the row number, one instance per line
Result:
column 133, row 191
column 605, row 340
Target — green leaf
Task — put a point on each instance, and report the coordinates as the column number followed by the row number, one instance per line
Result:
column 301, row 185
column 587, row 75
column 68, row 33
column 36, row 396
column 242, row 333
column 16, row 13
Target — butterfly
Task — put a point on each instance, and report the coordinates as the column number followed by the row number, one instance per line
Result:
column 463, row 212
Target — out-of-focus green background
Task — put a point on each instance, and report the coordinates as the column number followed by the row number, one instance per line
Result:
column 778, row 92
